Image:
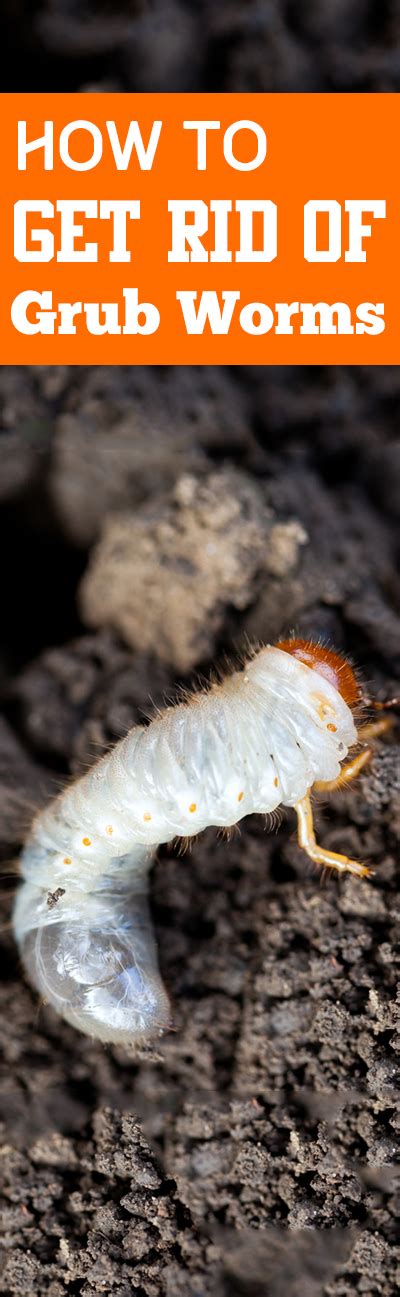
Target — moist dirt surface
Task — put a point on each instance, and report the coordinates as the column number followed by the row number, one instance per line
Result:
column 254, row 1149
column 151, row 523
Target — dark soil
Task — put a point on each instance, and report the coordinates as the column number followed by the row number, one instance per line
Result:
column 255, row 1152
column 247, row 45
column 270, row 1113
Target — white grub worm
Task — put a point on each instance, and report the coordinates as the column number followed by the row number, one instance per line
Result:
column 264, row 737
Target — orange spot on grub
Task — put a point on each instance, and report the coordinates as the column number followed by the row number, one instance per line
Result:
column 332, row 665
column 147, row 815
column 193, row 807
column 67, row 860
column 109, row 829
column 332, row 728
column 86, row 842
column 240, row 797
column 276, row 781
column 323, row 705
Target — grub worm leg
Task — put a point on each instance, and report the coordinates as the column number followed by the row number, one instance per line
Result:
column 348, row 772
column 374, row 729
column 307, row 840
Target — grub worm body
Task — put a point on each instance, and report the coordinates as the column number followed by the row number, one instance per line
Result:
column 262, row 738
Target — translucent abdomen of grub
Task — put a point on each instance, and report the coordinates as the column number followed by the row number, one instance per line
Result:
column 97, row 968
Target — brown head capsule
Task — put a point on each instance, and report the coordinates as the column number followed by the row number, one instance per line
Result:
column 333, row 666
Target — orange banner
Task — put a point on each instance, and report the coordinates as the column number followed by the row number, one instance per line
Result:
column 199, row 229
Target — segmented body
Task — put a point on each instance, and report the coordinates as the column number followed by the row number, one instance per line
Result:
column 260, row 739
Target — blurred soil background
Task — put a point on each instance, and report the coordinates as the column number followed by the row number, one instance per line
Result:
column 151, row 521
column 242, row 45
